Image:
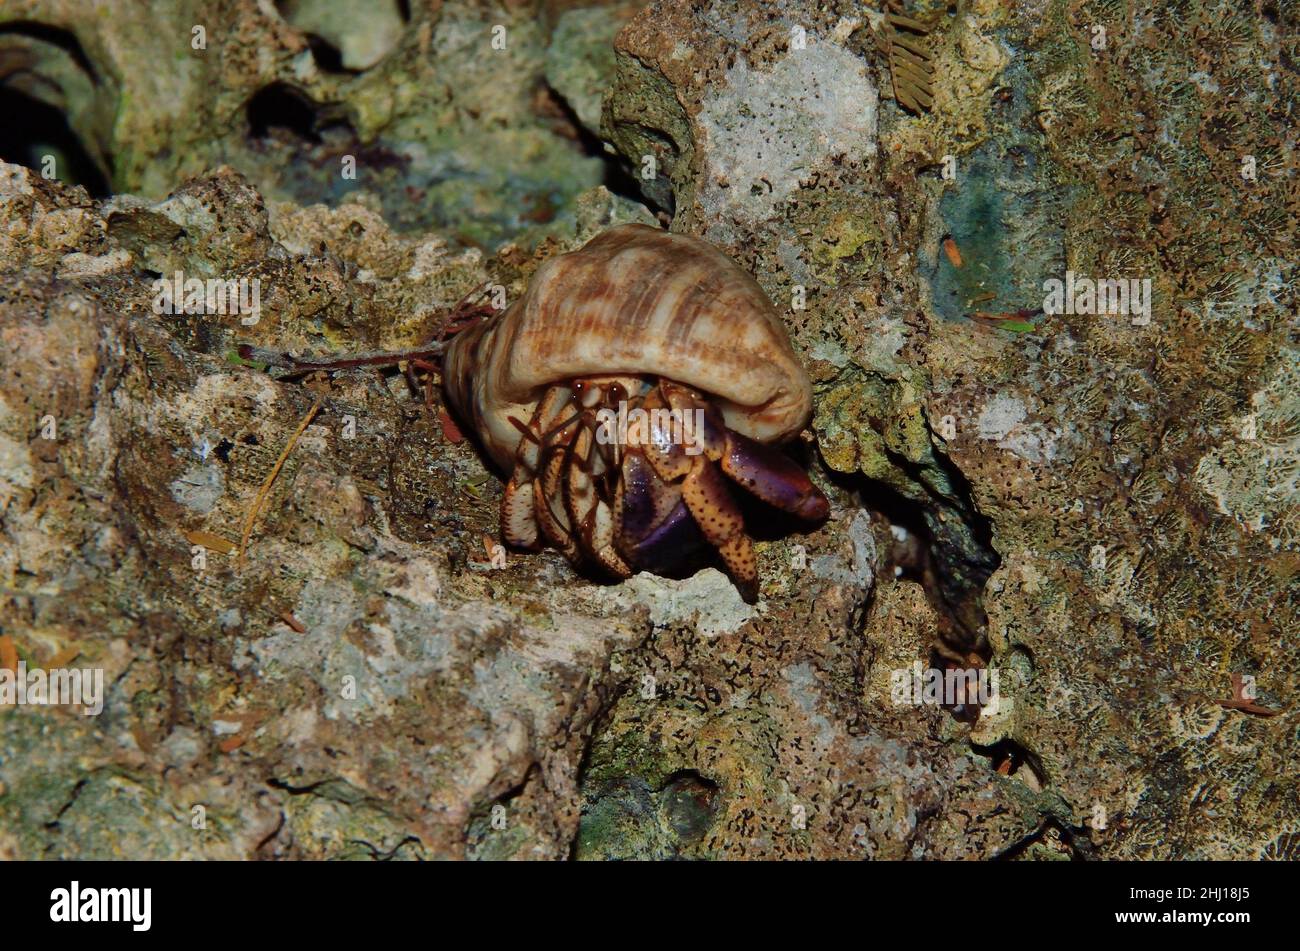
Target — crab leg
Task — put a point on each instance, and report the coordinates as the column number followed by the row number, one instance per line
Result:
column 705, row 493
column 521, row 504
column 703, row 490
column 773, row 476
column 587, row 511
column 518, row 518
column 548, row 504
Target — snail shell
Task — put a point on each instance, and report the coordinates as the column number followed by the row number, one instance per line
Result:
column 634, row 300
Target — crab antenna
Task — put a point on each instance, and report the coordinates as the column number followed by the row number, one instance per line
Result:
column 288, row 361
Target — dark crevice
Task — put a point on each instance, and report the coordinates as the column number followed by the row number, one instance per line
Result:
column 941, row 541
column 982, row 559
column 271, row 836
column 381, row 856
column 1007, row 757
column 600, row 722
column 34, row 130
column 63, row 39
column 280, row 106
column 659, row 189
column 72, row 798
column 327, row 56
column 616, row 175
column 690, row 803
column 1080, row 847
column 295, row 790
column 332, row 788
column 479, row 830
column 951, row 557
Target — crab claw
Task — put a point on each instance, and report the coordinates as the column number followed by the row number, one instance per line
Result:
column 763, row 470
column 652, row 522
column 670, row 542
column 715, row 511
column 772, row 476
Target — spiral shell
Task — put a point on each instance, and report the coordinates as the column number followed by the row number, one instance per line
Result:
column 634, row 300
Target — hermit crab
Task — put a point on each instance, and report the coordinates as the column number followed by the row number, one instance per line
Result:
column 634, row 379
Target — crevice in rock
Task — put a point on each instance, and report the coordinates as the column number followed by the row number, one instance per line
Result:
column 327, row 56
column 344, row 37
column 481, row 831
column 63, row 39
column 945, row 547
column 271, row 836
column 942, row 542
column 690, row 803
column 280, row 106
column 1079, row 846
column 1008, row 758
column 53, row 824
column 293, row 790
column 35, row 130
column 617, row 176
column 331, row 788
column 46, row 83
column 380, row 855
column 659, row 191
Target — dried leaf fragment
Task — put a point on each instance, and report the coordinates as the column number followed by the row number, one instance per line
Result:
column 210, row 541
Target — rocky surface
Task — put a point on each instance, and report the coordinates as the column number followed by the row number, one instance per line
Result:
column 445, row 116
column 1100, row 508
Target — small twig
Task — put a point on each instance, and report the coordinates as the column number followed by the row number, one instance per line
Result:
column 270, row 479
column 1249, row 706
column 210, row 541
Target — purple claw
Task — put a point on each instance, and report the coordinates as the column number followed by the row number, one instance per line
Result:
column 638, row 508
column 650, row 538
column 771, row 475
column 666, row 546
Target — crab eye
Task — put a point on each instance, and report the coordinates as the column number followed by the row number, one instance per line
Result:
column 586, row 393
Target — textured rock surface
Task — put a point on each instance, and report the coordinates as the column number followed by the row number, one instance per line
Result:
column 1103, row 510
column 442, row 113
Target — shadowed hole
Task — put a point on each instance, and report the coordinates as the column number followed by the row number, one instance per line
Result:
column 690, row 804
column 34, row 132
column 280, row 106
column 42, row 70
